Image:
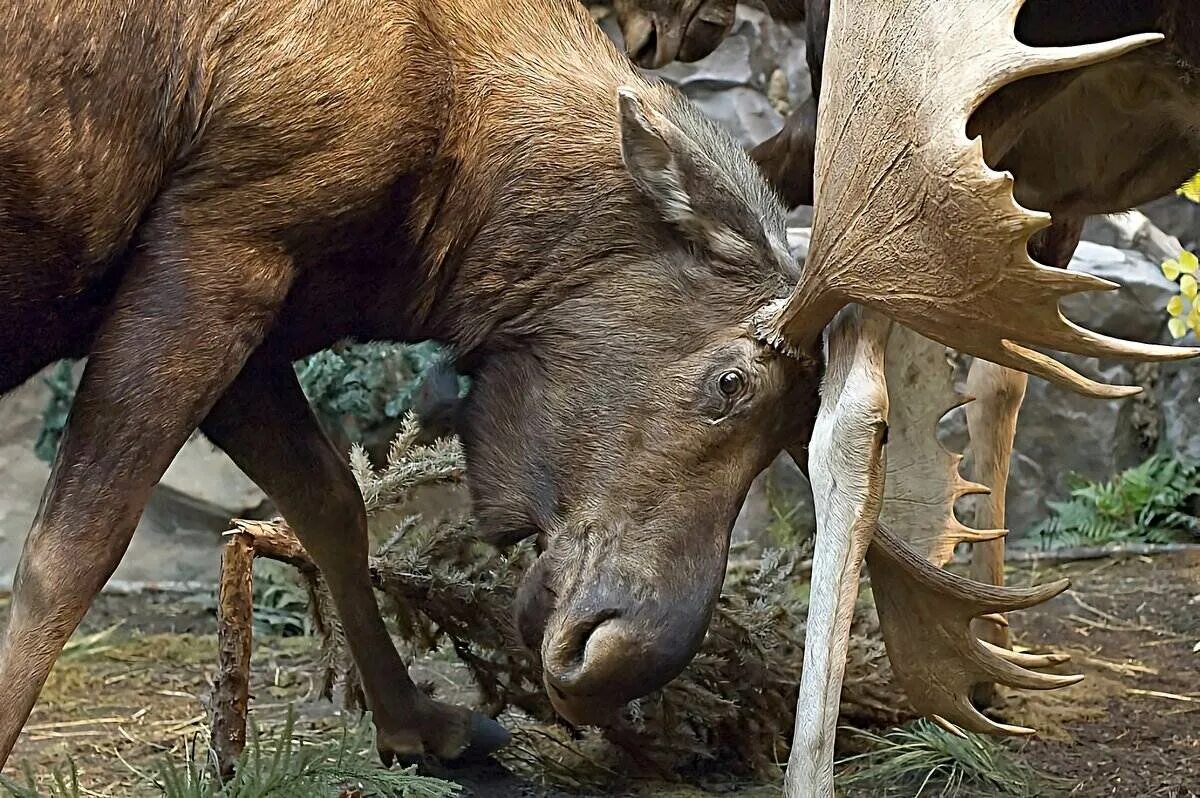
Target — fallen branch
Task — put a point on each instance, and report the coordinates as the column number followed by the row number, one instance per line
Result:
column 231, row 688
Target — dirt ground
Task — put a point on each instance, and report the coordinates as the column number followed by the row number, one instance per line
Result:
column 120, row 702
column 1132, row 728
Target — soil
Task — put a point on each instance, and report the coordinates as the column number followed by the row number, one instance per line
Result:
column 1132, row 727
column 122, row 700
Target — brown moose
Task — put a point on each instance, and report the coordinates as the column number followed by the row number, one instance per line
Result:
column 195, row 193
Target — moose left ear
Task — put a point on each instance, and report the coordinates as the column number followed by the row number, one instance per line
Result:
column 647, row 149
column 704, row 197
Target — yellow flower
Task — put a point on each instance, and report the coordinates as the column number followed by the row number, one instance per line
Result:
column 1187, row 286
column 1175, row 307
column 1191, row 189
column 1193, row 319
column 1186, row 263
column 1177, row 327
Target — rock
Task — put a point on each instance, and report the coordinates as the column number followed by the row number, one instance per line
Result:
column 1179, row 398
column 1178, row 216
column 1137, row 310
column 1061, row 434
column 750, row 82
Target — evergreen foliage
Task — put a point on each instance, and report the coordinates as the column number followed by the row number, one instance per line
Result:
column 355, row 389
column 922, row 759
column 730, row 713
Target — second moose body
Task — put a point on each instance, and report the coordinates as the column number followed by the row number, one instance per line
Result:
column 194, row 193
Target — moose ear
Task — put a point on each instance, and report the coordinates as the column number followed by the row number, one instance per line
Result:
column 649, row 151
column 695, row 189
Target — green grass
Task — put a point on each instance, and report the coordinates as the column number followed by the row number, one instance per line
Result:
column 276, row 766
column 921, row 760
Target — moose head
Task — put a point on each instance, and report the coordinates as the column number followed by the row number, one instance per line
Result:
column 622, row 421
column 927, row 246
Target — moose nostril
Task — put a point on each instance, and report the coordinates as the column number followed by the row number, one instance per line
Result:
column 568, row 660
column 583, row 633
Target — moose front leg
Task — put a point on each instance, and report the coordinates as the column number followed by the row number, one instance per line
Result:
column 992, row 425
column 265, row 424
column 190, row 310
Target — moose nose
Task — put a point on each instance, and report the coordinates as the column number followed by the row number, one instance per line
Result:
column 596, row 657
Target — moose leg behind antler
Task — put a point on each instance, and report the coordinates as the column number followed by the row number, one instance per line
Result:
column 845, row 466
column 992, row 425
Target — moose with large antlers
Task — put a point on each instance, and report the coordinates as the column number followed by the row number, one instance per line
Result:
column 912, row 221
column 194, row 194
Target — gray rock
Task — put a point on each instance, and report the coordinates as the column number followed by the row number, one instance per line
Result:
column 178, row 538
column 1137, row 310
column 1178, row 216
column 1179, row 398
column 750, row 82
column 1061, row 434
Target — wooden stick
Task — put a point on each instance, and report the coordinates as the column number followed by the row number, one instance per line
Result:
column 231, row 689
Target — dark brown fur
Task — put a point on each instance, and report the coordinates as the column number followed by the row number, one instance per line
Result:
column 195, row 192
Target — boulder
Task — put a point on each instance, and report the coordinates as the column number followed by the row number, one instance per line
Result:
column 750, row 82
column 178, row 537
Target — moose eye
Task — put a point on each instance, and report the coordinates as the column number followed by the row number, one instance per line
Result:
column 731, row 383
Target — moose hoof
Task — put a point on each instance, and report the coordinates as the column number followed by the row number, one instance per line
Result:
column 451, row 736
column 487, row 736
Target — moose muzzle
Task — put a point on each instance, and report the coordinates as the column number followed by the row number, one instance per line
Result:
column 606, row 637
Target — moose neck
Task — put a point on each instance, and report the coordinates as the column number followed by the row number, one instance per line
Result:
column 537, row 201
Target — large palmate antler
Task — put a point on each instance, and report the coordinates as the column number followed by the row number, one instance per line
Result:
column 914, row 227
column 909, row 219
column 925, row 613
column 923, row 479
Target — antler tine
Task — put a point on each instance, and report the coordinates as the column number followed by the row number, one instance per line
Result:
column 910, row 221
column 925, row 613
column 1042, row 60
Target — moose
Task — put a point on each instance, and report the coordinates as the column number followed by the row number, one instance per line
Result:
column 196, row 194
column 1047, row 122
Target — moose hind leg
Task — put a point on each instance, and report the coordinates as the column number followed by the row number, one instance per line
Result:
column 992, row 423
column 188, row 314
column 265, row 424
